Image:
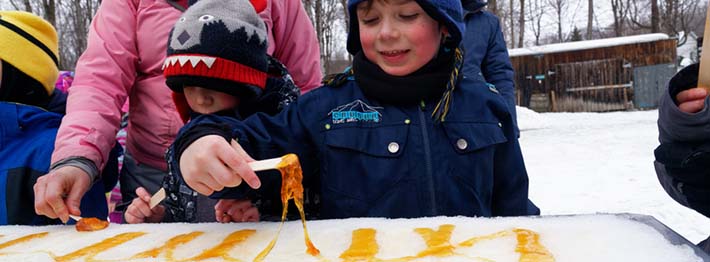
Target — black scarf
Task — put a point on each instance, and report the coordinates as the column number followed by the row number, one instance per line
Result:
column 427, row 83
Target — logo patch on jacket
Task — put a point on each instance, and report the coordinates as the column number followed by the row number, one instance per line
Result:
column 356, row 111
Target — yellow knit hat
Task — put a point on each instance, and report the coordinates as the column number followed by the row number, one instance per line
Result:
column 29, row 43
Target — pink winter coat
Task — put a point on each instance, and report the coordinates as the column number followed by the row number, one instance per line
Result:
column 125, row 52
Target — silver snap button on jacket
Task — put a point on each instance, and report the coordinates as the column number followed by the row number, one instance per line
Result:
column 393, row 147
column 461, row 144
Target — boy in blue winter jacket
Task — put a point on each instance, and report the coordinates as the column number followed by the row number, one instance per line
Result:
column 683, row 158
column 28, row 70
column 401, row 134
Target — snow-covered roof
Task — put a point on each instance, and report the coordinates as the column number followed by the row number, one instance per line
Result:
column 583, row 45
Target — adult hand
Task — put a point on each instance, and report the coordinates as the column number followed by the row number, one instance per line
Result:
column 139, row 211
column 691, row 100
column 210, row 164
column 233, row 210
column 59, row 193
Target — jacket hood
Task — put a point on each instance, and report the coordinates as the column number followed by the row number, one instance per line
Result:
column 473, row 5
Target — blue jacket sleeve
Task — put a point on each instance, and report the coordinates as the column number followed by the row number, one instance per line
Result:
column 510, row 182
column 486, row 50
column 683, row 158
column 496, row 67
column 262, row 136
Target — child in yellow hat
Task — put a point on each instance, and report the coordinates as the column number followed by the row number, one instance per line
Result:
column 30, row 58
column 29, row 66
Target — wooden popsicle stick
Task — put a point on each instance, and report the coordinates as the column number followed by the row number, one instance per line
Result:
column 157, row 198
column 265, row 164
column 260, row 165
column 704, row 73
column 256, row 166
column 76, row 218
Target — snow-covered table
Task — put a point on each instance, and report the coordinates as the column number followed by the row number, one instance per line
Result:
column 601, row 237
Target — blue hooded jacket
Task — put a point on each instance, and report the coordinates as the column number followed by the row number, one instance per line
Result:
column 485, row 51
column 27, row 136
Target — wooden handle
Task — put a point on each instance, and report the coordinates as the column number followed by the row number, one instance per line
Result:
column 704, row 73
column 265, row 164
column 157, row 198
column 260, row 165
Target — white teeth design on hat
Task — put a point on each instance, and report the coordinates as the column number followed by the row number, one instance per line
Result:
column 208, row 61
column 183, row 59
column 194, row 60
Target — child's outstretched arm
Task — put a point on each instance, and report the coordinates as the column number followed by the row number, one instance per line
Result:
column 203, row 158
column 140, row 212
column 683, row 158
column 210, row 164
column 234, row 210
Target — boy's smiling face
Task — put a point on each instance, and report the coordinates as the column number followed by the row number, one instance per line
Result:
column 397, row 35
column 207, row 101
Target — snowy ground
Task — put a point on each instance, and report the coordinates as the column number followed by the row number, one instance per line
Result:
column 581, row 163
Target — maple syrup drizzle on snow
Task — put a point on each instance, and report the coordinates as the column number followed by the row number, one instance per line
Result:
column 291, row 188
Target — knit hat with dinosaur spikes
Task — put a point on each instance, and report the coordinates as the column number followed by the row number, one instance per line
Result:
column 219, row 45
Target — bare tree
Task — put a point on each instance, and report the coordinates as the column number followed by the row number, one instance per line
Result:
column 521, row 24
column 559, row 7
column 346, row 18
column 535, row 12
column 77, row 15
column 687, row 15
column 639, row 12
column 620, row 12
column 669, row 16
column 590, row 19
column 505, row 22
column 326, row 15
column 655, row 17
column 71, row 20
column 512, row 24
column 25, row 5
column 493, row 7
column 346, row 14
column 28, row 6
column 50, row 11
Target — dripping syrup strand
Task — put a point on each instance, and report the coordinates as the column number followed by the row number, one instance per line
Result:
column 291, row 188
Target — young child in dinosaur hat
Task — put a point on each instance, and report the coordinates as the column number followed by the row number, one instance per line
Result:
column 216, row 63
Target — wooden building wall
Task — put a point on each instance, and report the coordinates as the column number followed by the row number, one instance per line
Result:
column 596, row 79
